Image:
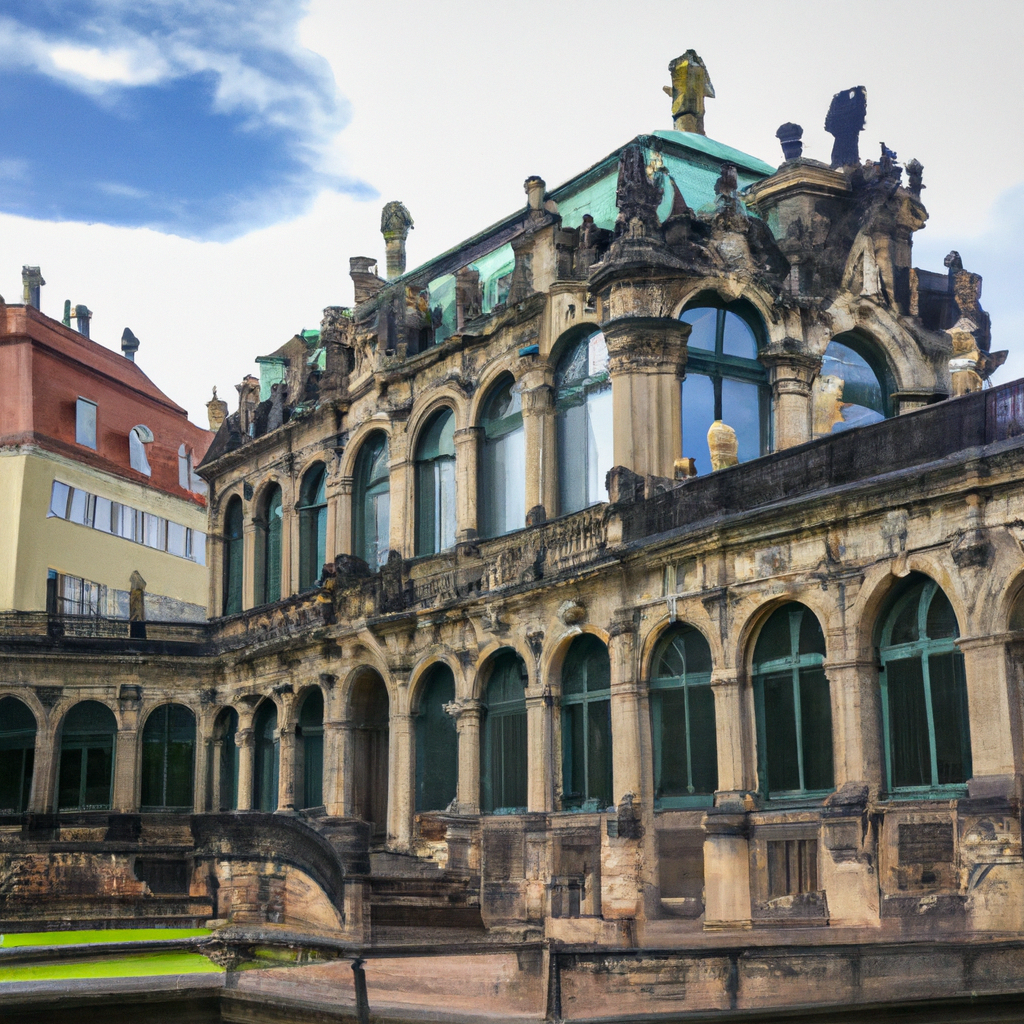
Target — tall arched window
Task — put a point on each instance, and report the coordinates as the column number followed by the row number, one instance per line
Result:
column 502, row 487
column 724, row 380
column 311, row 733
column 233, row 557
column 369, row 713
column 583, row 411
column 312, row 526
column 371, row 502
column 794, row 712
column 17, row 755
column 86, row 778
column 683, row 720
column 437, row 743
column 267, row 758
column 852, row 388
column 225, row 768
column 168, row 759
column 268, row 551
column 503, row 756
column 435, row 485
column 924, row 692
column 586, row 726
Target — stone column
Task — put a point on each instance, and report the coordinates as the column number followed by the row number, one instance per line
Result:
column 246, row 755
column 646, row 358
column 334, row 503
column 45, row 765
column 991, row 715
column 217, row 755
column 342, row 504
column 289, row 548
column 540, row 759
column 401, row 779
column 628, row 771
column 791, row 375
column 126, row 769
column 540, row 442
column 335, row 734
column 204, row 742
column 286, row 769
column 467, row 447
column 468, row 726
column 249, row 535
column 403, row 507
column 215, row 569
column 729, row 732
column 856, row 714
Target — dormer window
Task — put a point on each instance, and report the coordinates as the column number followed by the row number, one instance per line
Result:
column 85, row 423
column 187, row 478
column 138, row 438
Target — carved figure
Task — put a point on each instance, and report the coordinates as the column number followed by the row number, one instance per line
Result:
column 691, row 85
column 636, row 195
column 844, row 122
column 914, row 171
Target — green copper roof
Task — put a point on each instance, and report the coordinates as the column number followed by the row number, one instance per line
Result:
column 718, row 150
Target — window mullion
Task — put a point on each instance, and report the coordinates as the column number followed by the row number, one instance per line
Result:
column 689, row 744
column 798, row 717
column 933, row 754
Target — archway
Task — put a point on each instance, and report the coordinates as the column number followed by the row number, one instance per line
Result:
column 168, row 759
column 17, row 755
column 370, row 710
column 86, row 775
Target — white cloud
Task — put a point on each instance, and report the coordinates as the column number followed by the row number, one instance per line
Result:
column 110, row 67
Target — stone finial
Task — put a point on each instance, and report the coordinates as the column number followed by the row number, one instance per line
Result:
column 129, row 344
column 67, row 313
column 534, row 187
column 691, row 85
column 914, row 171
column 790, row 136
column 844, row 122
column 216, row 411
column 395, row 225
column 83, row 314
column 248, row 400
column 31, row 282
column 723, row 446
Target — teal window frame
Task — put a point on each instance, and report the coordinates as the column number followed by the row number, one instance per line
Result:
column 266, row 758
column 233, row 556
column 311, row 735
column 504, row 743
column 586, row 725
column 312, row 525
column 436, row 485
column 501, row 492
column 923, row 650
column 371, row 501
column 805, row 671
column 692, row 654
column 437, row 742
column 225, row 731
column 270, row 530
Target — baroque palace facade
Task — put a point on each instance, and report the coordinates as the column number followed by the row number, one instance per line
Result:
column 618, row 614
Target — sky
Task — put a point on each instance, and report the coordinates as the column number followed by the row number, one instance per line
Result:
column 201, row 170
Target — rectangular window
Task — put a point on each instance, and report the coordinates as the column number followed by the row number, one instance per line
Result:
column 197, row 546
column 127, row 522
column 176, row 539
column 154, row 531
column 59, row 500
column 76, row 596
column 85, row 423
column 78, row 511
column 101, row 515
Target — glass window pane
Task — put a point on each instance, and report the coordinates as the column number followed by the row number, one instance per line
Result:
column 780, row 733
column 59, row 500
column 775, row 639
column 426, row 509
column 698, row 398
column 599, row 752
column 856, row 388
column 381, row 518
column 101, row 514
column 738, row 339
column 597, row 354
column 176, row 539
column 672, row 740
column 600, row 443
column 573, row 750
column 437, row 744
column 703, row 740
column 941, row 618
column 812, row 639
column 905, row 629
column 950, row 715
column 816, row 728
column 703, row 323
column 85, row 423
column 198, row 548
column 79, row 506
column 69, row 786
column 572, row 459
column 446, row 502
column 99, row 766
column 741, row 410
column 908, row 723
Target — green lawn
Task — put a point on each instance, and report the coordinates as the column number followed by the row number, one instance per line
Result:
column 133, row 966
column 69, row 938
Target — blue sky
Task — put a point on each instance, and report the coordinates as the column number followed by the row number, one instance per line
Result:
column 201, row 118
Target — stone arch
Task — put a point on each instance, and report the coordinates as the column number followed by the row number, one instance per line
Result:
column 19, row 738
column 732, row 289
column 554, row 655
column 359, row 437
column 749, row 631
column 486, row 657
column 569, row 337
column 421, row 670
column 166, row 754
column 445, row 396
column 486, row 382
column 86, row 758
column 662, row 626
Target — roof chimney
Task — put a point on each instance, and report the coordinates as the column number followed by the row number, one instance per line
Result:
column 129, row 344
column 395, row 225
column 83, row 314
column 31, row 281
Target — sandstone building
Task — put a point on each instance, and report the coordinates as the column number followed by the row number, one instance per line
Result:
column 618, row 614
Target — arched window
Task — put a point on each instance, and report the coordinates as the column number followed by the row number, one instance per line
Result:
column 437, row 743
column 503, row 748
column 233, row 557
column 794, row 712
column 311, row 732
column 1016, row 619
column 502, row 488
column 168, row 759
column 17, row 755
column 586, row 726
column 683, row 720
column 312, row 526
column 724, row 380
column 225, row 766
column 138, row 437
column 924, row 692
column 369, row 714
column 371, row 502
column 851, row 389
column 435, row 485
column 86, row 777
column 267, row 758
column 268, row 548
column 583, row 413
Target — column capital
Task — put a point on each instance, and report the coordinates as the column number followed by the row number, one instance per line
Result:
column 790, row 372
column 646, row 344
column 467, row 707
column 725, row 677
column 244, row 738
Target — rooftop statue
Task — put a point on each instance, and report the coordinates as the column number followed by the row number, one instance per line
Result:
column 844, row 122
column 691, row 85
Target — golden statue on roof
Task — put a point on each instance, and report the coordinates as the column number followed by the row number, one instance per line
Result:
column 691, row 85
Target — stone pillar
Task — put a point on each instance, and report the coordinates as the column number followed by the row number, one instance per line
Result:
column 286, row 769
column 726, row 868
column 627, row 770
column 540, row 753
column 336, row 500
column 468, row 726
column 217, row 755
column 215, row 569
column 729, row 732
column 343, row 519
column 791, row 375
column 403, row 507
column 467, row 447
column 856, row 714
column 401, row 779
column 249, row 535
column 126, row 770
column 335, row 735
column 246, row 756
column 45, row 765
column 540, row 443
column 289, row 548
column 204, row 742
column 646, row 358
column 991, row 716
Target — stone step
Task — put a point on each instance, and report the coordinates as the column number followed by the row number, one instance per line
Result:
column 402, row 865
